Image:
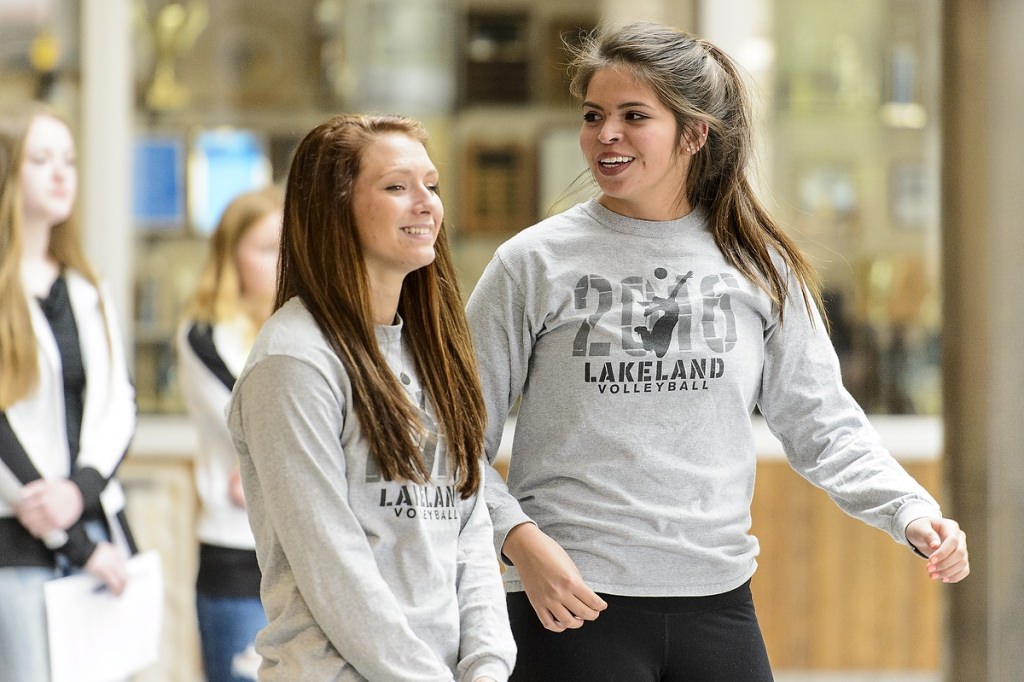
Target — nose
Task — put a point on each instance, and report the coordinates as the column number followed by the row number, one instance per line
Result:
column 61, row 170
column 609, row 132
column 428, row 200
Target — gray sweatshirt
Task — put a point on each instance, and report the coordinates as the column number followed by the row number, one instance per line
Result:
column 639, row 355
column 362, row 578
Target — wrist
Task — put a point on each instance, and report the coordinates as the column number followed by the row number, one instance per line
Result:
column 516, row 538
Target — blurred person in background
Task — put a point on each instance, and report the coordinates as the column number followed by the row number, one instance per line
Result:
column 234, row 297
column 67, row 405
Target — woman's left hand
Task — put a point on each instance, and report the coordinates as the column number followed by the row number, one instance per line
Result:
column 107, row 562
column 49, row 505
column 945, row 545
column 236, row 493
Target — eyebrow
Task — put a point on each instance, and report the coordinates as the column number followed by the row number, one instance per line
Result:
column 624, row 105
column 405, row 171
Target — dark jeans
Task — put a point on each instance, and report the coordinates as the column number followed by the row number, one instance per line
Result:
column 646, row 639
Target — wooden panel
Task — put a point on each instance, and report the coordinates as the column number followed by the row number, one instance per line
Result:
column 834, row 593
column 500, row 191
column 161, row 508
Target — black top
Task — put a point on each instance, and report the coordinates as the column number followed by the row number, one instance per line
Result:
column 57, row 309
column 17, row 546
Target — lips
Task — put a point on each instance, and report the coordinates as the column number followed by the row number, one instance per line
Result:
column 613, row 164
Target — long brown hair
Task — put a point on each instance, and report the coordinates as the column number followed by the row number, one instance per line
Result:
column 322, row 263
column 700, row 84
column 19, row 368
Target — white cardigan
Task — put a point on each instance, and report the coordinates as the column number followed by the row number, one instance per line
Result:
column 221, row 522
column 108, row 419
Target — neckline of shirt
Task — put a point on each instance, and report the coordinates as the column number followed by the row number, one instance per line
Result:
column 390, row 337
column 695, row 220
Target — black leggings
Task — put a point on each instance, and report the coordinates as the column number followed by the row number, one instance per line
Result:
column 646, row 639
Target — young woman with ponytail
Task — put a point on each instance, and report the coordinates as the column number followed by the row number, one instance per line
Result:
column 639, row 331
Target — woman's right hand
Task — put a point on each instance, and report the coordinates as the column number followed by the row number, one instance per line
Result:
column 107, row 562
column 49, row 505
column 553, row 584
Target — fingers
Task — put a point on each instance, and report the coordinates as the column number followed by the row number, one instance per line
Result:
column 950, row 562
column 236, row 493
column 571, row 611
column 49, row 505
column 588, row 611
column 954, row 576
column 947, row 548
column 553, row 615
column 556, row 590
column 34, row 518
column 560, row 624
column 549, row 621
column 116, row 582
column 108, row 564
column 559, row 617
column 30, row 511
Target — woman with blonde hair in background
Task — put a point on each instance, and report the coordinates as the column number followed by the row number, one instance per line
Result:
column 234, row 297
column 67, row 406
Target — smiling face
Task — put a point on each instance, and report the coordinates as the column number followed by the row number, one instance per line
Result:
column 397, row 209
column 49, row 177
column 634, row 148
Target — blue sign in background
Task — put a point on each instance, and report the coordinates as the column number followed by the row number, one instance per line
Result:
column 158, row 186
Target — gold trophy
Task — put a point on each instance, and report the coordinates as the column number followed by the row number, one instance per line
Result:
column 173, row 30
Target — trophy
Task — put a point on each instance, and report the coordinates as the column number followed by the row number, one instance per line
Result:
column 173, row 31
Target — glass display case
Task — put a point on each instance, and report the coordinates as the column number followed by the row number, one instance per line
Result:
column 855, row 145
column 848, row 100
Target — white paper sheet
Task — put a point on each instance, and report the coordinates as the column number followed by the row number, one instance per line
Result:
column 97, row 637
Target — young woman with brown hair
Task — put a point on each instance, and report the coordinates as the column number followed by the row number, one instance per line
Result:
column 358, row 421
column 640, row 330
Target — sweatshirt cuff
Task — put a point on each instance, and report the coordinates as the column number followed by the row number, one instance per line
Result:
column 488, row 667
column 79, row 547
column 501, row 536
column 909, row 512
column 91, row 483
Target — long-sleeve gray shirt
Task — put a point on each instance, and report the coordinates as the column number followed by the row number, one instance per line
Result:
column 362, row 578
column 639, row 354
